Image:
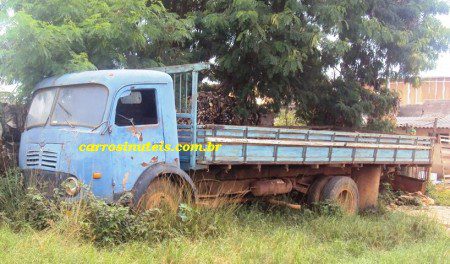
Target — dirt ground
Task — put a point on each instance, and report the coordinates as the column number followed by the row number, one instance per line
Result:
column 440, row 213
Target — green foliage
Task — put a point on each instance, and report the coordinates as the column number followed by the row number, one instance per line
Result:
column 282, row 50
column 20, row 207
column 439, row 193
column 287, row 117
column 260, row 47
column 40, row 212
column 327, row 209
column 12, row 195
column 381, row 124
column 46, row 38
column 96, row 221
column 114, row 224
column 89, row 231
column 108, row 225
column 321, row 55
column 258, row 237
column 387, row 194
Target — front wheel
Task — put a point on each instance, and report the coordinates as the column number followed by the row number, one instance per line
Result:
column 344, row 192
column 161, row 193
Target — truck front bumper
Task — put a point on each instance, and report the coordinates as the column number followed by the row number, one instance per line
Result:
column 47, row 182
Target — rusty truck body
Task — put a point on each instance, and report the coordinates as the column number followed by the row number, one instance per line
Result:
column 160, row 105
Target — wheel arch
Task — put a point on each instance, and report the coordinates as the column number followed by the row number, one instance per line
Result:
column 158, row 170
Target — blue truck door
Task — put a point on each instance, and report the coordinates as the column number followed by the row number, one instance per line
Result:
column 137, row 125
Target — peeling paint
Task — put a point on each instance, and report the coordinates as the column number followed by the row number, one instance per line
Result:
column 136, row 133
column 125, row 180
column 153, row 160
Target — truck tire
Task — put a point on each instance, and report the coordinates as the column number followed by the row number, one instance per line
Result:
column 315, row 191
column 343, row 191
column 161, row 193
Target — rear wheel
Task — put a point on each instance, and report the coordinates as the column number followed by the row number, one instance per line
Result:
column 342, row 191
column 161, row 193
column 316, row 188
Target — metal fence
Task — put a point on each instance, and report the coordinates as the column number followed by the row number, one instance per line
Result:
column 185, row 85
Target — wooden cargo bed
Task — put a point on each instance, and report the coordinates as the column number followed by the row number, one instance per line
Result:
column 271, row 145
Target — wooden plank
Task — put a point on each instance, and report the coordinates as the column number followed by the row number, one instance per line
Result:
column 238, row 162
column 184, row 126
column 236, row 141
column 264, row 145
column 184, row 115
column 426, row 140
column 183, row 68
column 446, row 150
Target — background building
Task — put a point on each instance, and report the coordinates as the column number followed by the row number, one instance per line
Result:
column 425, row 111
column 430, row 88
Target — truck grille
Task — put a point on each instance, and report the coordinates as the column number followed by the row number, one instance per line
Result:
column 42, row 159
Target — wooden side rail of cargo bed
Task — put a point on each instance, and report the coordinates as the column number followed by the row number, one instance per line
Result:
column 264, row 145
column 312, row 143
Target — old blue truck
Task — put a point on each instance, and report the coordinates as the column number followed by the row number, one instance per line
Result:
column 107, row 107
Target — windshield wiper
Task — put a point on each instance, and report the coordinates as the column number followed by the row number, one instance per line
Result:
column 70, row 124
column 136, row 132
column 128, row 119
column 97, row 127
column 65, row 110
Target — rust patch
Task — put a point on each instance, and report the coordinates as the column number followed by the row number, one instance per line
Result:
column 125, row 180
column 153, row 160
column 408, row 184
column 136, row 133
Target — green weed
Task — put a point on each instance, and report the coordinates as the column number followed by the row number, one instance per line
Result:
column 440, row 194
column 93, row 231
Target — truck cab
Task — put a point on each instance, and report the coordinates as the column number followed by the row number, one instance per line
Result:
column 71, row 112
column 80, row 126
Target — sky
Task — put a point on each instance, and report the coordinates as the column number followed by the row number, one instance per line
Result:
column 442, row 66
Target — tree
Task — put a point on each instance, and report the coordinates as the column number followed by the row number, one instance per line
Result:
column 46, row 38
column 332, row 58
column 374, row 41
column 260, row 47
column 283, row 51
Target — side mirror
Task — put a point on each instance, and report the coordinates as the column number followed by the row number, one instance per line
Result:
column 132, row 98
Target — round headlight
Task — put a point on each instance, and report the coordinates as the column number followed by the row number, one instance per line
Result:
column 71, row 186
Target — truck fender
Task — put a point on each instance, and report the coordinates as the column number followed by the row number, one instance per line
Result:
column 153, row 172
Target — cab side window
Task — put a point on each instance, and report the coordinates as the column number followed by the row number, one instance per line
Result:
column 137, row 108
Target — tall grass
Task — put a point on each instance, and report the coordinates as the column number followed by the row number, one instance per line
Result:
column 439, row 193
column 253, row 235
column 93, row 231
column 12, row 196
column 101, row 223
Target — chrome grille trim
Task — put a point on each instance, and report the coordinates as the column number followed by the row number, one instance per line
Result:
column 42, row 159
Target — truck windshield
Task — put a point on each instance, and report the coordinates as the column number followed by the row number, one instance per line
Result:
column 74, row 106
column 40, row 108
